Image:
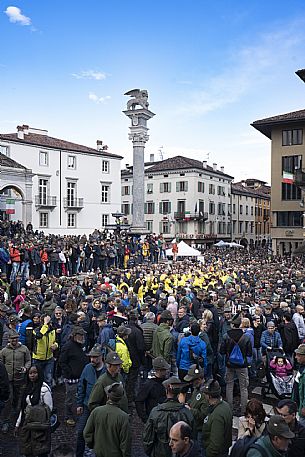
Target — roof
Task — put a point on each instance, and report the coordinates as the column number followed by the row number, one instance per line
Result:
column 261, row 192
column 301, row 74
column 10, row 163
column 265, row 125
column 53, row 143
column 178, row 163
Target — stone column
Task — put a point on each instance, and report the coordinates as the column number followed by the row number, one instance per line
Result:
column 138, row 135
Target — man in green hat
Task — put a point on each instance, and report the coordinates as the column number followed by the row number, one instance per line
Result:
column 162, row 418
column 113, row 368
column 108, row 430
column 198, row 404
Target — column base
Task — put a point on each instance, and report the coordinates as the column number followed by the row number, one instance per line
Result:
column 138, row 231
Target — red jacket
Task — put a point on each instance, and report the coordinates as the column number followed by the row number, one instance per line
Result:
column 15, row 254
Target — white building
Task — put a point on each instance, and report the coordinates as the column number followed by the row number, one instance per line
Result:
column 184, row 198
column 75, row 188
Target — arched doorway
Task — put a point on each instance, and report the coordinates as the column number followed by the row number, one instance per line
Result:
column 11, row 203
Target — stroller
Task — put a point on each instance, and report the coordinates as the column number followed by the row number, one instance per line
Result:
column 280, row 387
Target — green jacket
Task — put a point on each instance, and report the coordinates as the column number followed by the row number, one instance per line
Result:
column 156, row 431
column 108, row 431
column 15, row 358
column 217, row 430
column 264, row 441
column 162, row 342
column 301, row 399
column 199, row 407
column 98, row 395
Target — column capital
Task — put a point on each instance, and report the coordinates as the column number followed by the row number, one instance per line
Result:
column 138, row 137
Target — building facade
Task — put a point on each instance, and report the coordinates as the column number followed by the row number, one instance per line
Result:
column 286, row 133
column 75, row 188
column 243, row 214
column 185, row 198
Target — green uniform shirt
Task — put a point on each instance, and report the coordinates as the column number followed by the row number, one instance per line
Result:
column 98, row 395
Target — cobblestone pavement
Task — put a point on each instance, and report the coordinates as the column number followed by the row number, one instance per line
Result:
column 9, row 444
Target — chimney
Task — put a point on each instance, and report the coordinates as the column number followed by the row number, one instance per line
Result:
column 222, row 169
column 152, row 157
column 99, row 145
column 204, row 163
column 215, row 166
column 25, row 129
column 20, row 132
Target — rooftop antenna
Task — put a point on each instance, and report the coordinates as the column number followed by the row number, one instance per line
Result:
column 161, row 153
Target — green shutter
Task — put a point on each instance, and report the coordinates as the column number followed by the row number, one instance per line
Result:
column 177, row 186
column 169, row 186
column 161, row 187
column 153, row 208
column 160, row 208
column 186, row 186
column 169, row 207
column 145, row 208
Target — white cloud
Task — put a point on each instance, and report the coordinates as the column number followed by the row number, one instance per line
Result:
column 90, row 74
column 95, row 98
column 246, row 68
column 14, row 14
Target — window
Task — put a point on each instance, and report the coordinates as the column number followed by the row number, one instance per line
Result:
column 221, row 190
column 71, row 220
column 164, row 207
column 289, row 219
column 149, row 225
column 211, row 189
column 125, row 209
column 241, row 227
column 150, row 188
column 4, row 150
column 43, row 220
column 149, row 208
column 234, row 208
column 125, row 190
column 165, row 187
column 221, row 209
column 105, row 166
column 291, row 192
column 72, row 162
column 246, row 226
column 251, row 210
column 292, row 137
column 240, row 209
column 211, row 207
column 291, row 163
column 247, row 210
column 105, row 220
column 106, row 193
column 71, row 193
column 164, row 227
column 181, row 186
column 43, row 158
column 43, row 192
column 200, row 186
column 251, row 227
column 181, row 206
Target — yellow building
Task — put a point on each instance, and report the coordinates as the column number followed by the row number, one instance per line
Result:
column 286, row 132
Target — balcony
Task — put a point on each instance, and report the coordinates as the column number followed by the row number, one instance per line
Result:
column 186, row 216
column 45, row 201
column 299, row 178
column 73, row 203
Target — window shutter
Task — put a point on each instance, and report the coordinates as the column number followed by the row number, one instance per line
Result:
column 153, row 208
column 160, row 208
column 177, row 186
column 169, row 186
column 145, row 208
column 169, row 207
column 186, row 186
column 161, row 187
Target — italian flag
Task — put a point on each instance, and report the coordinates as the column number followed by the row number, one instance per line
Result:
column 288, row 178
column 10, row 206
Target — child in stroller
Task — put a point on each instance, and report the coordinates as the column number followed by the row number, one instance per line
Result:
column 281, row 374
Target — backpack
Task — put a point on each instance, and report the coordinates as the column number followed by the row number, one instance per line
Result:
column 195, row 358
column 243, row 445
column 236, row 357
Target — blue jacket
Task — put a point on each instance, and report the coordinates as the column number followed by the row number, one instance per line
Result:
column 268, row 340
column 87, row 380
column 106, row 333
column 21, row 329
column 183, row 355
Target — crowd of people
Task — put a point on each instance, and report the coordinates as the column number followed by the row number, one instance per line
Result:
column 175, row 343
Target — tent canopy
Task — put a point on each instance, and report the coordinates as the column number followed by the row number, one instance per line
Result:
column 184, row 250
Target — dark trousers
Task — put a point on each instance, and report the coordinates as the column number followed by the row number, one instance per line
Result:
column 80, row 442
column 132, row 381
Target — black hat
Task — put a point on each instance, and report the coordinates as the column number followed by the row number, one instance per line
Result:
column 113, row 358
column 115, row 391
column 123, row 330
column 96, row 351
column 173, row 382
column 212, row 387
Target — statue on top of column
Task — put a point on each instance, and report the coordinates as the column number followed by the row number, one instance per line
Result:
column 139, row 97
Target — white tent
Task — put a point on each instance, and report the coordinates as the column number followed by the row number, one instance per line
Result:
column 184, row 250
column 222, row 244
column 236, row 245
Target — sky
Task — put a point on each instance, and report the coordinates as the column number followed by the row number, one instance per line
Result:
column 211, row 68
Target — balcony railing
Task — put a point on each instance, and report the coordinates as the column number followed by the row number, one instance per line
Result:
column 195, row 216
column 45, row 201
column 76, row 203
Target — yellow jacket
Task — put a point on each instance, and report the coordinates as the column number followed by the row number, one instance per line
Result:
column 45, row 338
column 123, row 352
